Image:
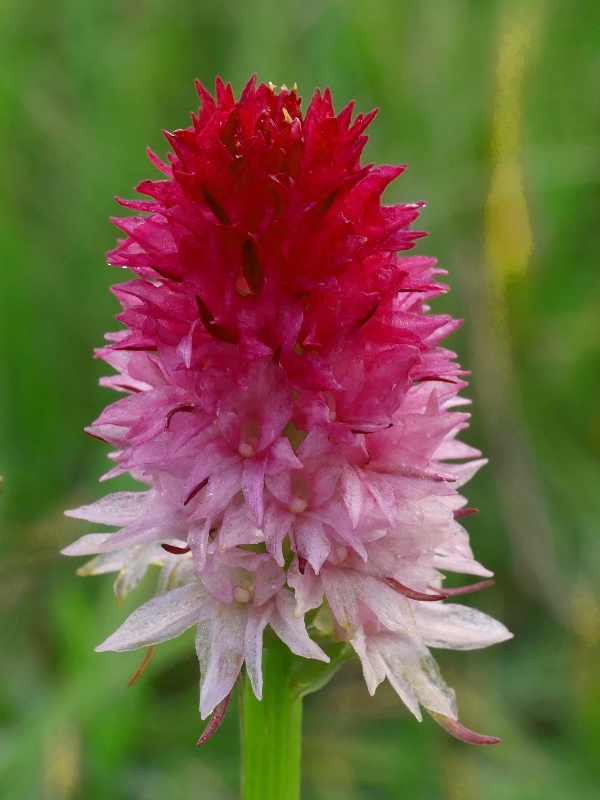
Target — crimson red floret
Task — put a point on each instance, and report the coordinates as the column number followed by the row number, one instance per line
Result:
column 265, row 207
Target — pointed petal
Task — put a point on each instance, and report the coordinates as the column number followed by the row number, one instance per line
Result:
column 413, row 672
column 133, row 571
column 336, row 515
column 106, row 562
column 281, row 456
column 310, row 541
column 464, row 472
column 292, row 630
column 456, row 555
column 253, row 481
column 382, row 492
column 269, row 578
column 373, row 667
column 161, row 618
column 456, row 627
column 220, row 649
column 276, row 526
column 221, row 488
column 119, row 508
column 198, row 542
column 341, row 592
column 253, row 645
column 456, row 563
column 307, row 587
column 172, row 571
column 238, row 527
column 353, row 493
column 87, row 545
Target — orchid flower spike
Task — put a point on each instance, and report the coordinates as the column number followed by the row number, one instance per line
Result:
column 290, row 408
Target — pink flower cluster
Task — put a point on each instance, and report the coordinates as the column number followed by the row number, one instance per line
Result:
column 290, row 407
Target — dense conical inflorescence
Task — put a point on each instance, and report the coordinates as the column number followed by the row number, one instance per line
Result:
column 289, row 405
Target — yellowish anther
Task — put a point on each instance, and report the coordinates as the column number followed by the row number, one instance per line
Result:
column 247, row 449
column 295, row 87
column 341, row 552
column 243, row 590
column 242, row 595
column 272, row 87
column 287, row 116
column 298, row 505
column 284, row 88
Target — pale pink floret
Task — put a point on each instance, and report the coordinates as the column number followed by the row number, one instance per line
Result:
column 290, row 407
column 237, row 596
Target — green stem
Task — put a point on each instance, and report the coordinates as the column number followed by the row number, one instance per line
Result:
column 272, row 730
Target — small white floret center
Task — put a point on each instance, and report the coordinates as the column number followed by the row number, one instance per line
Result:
column 298, row 505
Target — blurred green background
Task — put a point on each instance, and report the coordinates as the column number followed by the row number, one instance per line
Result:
column 494, row 105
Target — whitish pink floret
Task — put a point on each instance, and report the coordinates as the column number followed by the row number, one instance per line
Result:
column 290, row 407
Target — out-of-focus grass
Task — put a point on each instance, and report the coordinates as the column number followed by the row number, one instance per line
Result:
column 494, row 105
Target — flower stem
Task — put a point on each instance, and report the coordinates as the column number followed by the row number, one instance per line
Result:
column 272, row 730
